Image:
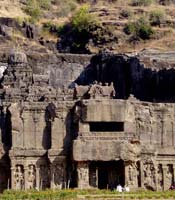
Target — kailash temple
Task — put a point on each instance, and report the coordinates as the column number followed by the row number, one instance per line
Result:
column 84, row 121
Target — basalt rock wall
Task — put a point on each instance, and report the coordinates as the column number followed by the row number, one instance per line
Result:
column 148, row 81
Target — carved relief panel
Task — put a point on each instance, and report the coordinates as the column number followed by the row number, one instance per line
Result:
column 132, row 175
column 149, row 175
column 168, row 176
column 31, row 177
column 83, row 175
column 159, row 178
column 19, row 177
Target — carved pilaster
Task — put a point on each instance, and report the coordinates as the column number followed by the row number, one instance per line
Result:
column 164, row 168
column 131, row 173
column 142, row 174
column 37, row 178
column 12, row 178
column 25, row 177
column 83, row 175
column 173, row 173
column 159, row 177
column 167, row 176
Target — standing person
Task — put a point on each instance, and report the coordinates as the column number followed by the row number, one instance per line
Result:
column 119, row 188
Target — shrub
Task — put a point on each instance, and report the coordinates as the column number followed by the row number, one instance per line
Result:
column 141, row 29
column 157, row 17
column 33, row 9
column 83, row 20
column 83, row 32
column 142, row 2
column 45, row 4
column 65, row 7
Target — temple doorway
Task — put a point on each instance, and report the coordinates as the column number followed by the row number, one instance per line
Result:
column 5, row 174
column 107, row 175
column 102, row 178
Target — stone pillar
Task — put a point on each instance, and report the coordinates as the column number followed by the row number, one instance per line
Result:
column 131, row 175
column 13, row 178
column 173, row 173
column 83, row 175
column 25, row 177
column 164, row 168
column 163, row 132
column 52, row 184
column 156, row 177
column 37, row 178
column 126, row 173
column 142, row 174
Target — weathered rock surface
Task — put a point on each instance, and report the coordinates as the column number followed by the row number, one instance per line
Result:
column 53, row 136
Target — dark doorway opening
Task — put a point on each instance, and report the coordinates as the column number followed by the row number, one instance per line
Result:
column 5, row 173
column 103, row 178
column 107, row 174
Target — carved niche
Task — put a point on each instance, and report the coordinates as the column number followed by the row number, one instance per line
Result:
column 31, row 178
column 168, row 178
column 149, row 172
column 83, row 175
column 159, row 178
column 19, row 177
column 132, row 175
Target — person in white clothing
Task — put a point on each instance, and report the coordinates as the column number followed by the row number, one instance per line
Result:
column 119, row 188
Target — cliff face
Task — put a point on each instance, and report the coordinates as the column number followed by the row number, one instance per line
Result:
column 131, row 76
column 149, row 76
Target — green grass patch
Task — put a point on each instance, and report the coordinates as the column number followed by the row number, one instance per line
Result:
column 88, row 194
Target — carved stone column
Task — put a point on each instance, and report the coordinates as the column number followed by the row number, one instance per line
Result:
column 164, row 168
column 13, row 178
column 37, row 178
column 52, row 185
column 131, row 175
column 159, row 177
column 83, row 175
column 173, row 172
column 25, row 177
column 142, row 174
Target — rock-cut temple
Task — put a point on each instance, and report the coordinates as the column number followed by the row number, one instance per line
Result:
column 95, row 134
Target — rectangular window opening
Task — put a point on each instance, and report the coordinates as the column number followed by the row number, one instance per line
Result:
column 106, row 126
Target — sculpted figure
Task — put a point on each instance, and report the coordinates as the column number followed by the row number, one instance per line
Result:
column 31, row 177
column 83, row 176
column 149, row 176
column 80, row 91
column 168, row 178
column 159, row 178
column 132, row 175
column 96, row 90
column 19, row 178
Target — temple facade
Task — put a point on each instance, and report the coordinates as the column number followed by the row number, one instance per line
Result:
column 82, row 137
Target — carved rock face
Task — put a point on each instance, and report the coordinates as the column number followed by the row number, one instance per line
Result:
column 130, row 152
column 17, row 57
